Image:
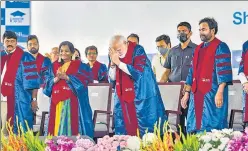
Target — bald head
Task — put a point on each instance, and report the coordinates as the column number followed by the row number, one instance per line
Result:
column 54, row 54
column 119, row 44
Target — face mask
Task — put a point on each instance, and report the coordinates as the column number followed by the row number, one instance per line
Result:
column 163, row 51
column 182, row 37
column 34, row 51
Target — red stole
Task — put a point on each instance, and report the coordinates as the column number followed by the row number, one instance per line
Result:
column 126, row 94
column 8, row 83
column 39, row 61
column 61, row 92
column 245, row 59
column 95, row 69
column 202, row 76
column 7, row 87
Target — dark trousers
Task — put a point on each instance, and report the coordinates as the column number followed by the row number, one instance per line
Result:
column 182, row 118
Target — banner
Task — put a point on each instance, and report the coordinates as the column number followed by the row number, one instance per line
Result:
column 16, row 16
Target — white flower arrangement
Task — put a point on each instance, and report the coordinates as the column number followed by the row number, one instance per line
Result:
column 148, row 138
column 133, row 143
column 217, row 140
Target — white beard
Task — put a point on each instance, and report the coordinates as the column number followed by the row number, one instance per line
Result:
column 123, row 55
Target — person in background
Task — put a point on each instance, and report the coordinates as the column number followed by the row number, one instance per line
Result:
column 70, row 111
column 178, row 61
column 53, row 55
column 207, row 83
column 99, row 70
column 19, row 83
column 138, row 103
column 133, row 38
column 163, row 46
column 243, row 77
column 77, row 54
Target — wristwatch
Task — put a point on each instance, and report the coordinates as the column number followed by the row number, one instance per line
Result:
column 34, row 99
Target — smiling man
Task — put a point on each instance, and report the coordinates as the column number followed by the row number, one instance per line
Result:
column 208, row 78
column 138, row 103
column 19, row 79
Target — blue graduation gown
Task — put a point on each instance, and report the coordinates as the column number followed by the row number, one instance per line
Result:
column 99, row 71
column 148, row 102
column 27, row 79
column 80, row 90
column 241, row 69
column 103, row 73
column 212, row 117
column 44, row 72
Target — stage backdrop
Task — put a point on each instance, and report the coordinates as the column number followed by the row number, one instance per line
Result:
column 93, row 23
column 15, row 16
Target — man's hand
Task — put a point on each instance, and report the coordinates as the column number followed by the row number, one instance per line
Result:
column 56, row 79
column 114, row 56
column 165, row 75
column 184, row 100
column 110, row 55
column 63, row 76
column 219, row 99
column 245, row 87
column 34, row 105
column 219, row 95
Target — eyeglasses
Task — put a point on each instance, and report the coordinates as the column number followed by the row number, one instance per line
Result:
column 92, row 53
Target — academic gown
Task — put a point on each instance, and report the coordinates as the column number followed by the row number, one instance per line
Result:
column 26, row 79
column 244, row 68
column 73, row 115
column 99, row 71
column 148, row 102
column 212, row 117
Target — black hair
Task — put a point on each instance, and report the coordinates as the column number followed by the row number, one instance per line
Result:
column 69, row 44
column 78, row 52
column 134, row 35
column 9, row 34
column 30, row 37
column 90, row 48
column 186, row 24
column 211, row 23
column 165, row 38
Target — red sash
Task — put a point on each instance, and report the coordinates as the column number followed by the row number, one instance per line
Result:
column 126, row 93
column 39, row 61
column 3, row 60
column 8, row 83
column 245, row 59
column 95, row 70
column 202, row 76
column 7, row 87
column 61, row 92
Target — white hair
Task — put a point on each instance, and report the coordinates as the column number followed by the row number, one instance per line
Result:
column 118, row 38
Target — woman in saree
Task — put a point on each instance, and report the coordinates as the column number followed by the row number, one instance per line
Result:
column 70, row 111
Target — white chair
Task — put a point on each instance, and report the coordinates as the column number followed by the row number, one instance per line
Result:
column 235, row 93
column 43, row 104
column 171, row 94
column 100, row 95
